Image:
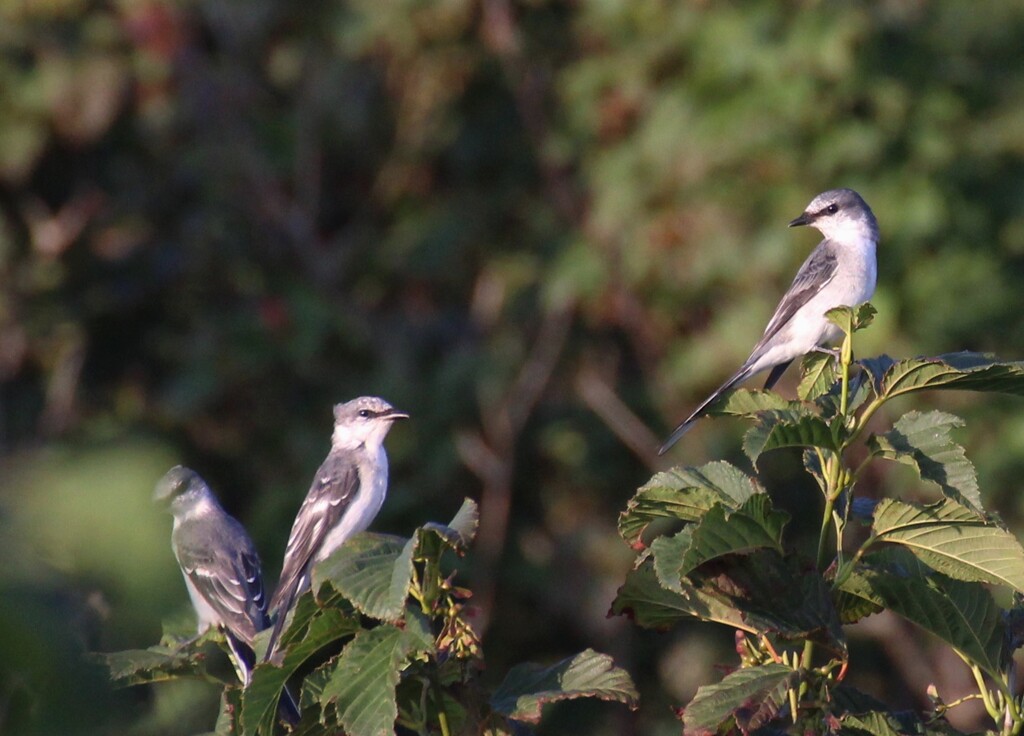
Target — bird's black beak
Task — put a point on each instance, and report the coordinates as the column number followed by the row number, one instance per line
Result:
column 804, row 219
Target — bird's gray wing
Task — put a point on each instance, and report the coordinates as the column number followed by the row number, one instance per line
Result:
column 817, row 271
column 221, row 562
column 334, row 487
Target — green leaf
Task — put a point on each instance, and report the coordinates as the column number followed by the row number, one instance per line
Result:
column 686, row 494
column 962, row 371
column 760, row 593
column 306, row 608
column 775, row 594
column 828, row 404
column 360, row 683
column 401, row 579
column 457, row 536
column 754, row 525
column 851, row 605
column 819, row 375
column 964, row 615
column 744, row 402
column 852, row 318
column 848, row 699
column 260, row 699
column 528, row 687
column 872, row 724
column 876, row 369
column 750, row 696
column 922, row 441
column 161, row 663
column 652, row 606
column 462, row 529
column 777, row 429
column 362, row 571
column 668, row 553
column 227, row 716
column 952, row 539
column 812, row 464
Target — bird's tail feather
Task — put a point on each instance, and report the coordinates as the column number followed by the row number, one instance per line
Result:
column 243, row 658
column 742, row 374
column 275, row 634
column 244, row 661
column 776, row 374
column 288, row 707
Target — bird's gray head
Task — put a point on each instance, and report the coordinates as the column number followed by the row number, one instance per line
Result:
column 180, row 488
column 363, row 421
column 840, row 214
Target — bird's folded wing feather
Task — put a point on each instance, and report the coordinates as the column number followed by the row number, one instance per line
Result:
column 817, row 271
column 225, row 569
column 333, row 490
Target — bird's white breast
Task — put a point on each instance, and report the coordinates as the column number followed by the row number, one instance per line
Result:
column 852, row 284
column 373, row 485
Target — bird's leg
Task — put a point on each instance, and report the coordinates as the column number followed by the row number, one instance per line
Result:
column 836, row 353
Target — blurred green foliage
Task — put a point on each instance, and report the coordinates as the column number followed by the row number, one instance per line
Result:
column 545, row 229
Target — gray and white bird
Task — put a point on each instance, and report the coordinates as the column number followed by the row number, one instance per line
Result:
column 221, row 568
column 841, row 271
column 347, row 492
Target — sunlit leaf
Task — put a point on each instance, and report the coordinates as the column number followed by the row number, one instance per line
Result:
column 819, row 375
column 361, row 570
column 528, row 687
column 746, row 402
column 961, row 371
column 685, row 494
column 852, row 318
column 922, row 441
column 652, row 606
column 360, row 685
column 953, row 539
column 260, row 699
column 876, row 368
column 780, row 429
column 668, row 552
column 754, row 525
column 751, row 696
column 964, row 615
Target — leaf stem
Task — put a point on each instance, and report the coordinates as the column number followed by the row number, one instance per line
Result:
column 990, row 706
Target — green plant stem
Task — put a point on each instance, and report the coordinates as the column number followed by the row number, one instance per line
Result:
column 986, row 697
column 1012, row 717
column 442, row 716
column 835, row 480
column 846, row 357
column 865, row 417
column 826, row 521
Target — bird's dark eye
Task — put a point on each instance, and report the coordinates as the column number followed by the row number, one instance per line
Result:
column 364, row 413
column 832, row 209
